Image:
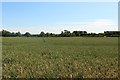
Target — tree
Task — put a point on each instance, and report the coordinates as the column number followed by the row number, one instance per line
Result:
column 82, row 33
column 47, row 34
column 27, row 34
column 73, row 35
column 66, row 33
column 6, row 33
column 76, row 33
column 79, row 33
column 0, row 33
column 19, row 34
column 112, row 33
column 52, row 35
column 13, row 34
column 42, row 34
column 62, row 34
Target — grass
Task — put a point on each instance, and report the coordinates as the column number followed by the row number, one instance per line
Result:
column 67, row 57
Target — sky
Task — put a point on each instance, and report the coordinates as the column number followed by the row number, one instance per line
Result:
column 55, row 17
column 59, row 0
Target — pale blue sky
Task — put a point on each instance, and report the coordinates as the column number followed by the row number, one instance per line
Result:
column 57, row 16
column 59, row 0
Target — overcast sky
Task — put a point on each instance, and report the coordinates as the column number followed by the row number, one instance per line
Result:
column 57, row 16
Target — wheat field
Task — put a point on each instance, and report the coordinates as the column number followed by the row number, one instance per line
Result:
column 59, row 57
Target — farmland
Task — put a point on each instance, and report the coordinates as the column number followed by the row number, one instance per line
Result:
column 67, row 57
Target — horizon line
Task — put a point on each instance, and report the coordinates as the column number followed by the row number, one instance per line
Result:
column 56, row 33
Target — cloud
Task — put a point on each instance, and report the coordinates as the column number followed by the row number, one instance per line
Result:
column 101, row 25
column 97, row 26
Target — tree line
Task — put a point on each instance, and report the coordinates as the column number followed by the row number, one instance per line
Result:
column 65, row 33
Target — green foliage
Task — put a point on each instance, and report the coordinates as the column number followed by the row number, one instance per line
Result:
column 64, row 33
column 27, row 34
column 65, row 57
column 18, row 34
column 112, row 33
column 79, row 33
column 42, row 34
column 6, row 33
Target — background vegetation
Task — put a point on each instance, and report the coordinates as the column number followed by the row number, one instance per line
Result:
column 64, row 33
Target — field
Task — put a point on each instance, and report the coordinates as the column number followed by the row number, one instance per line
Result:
column 54, row 57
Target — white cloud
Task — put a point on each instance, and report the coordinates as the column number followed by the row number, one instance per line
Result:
column 101, row 25
column 97, row 26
